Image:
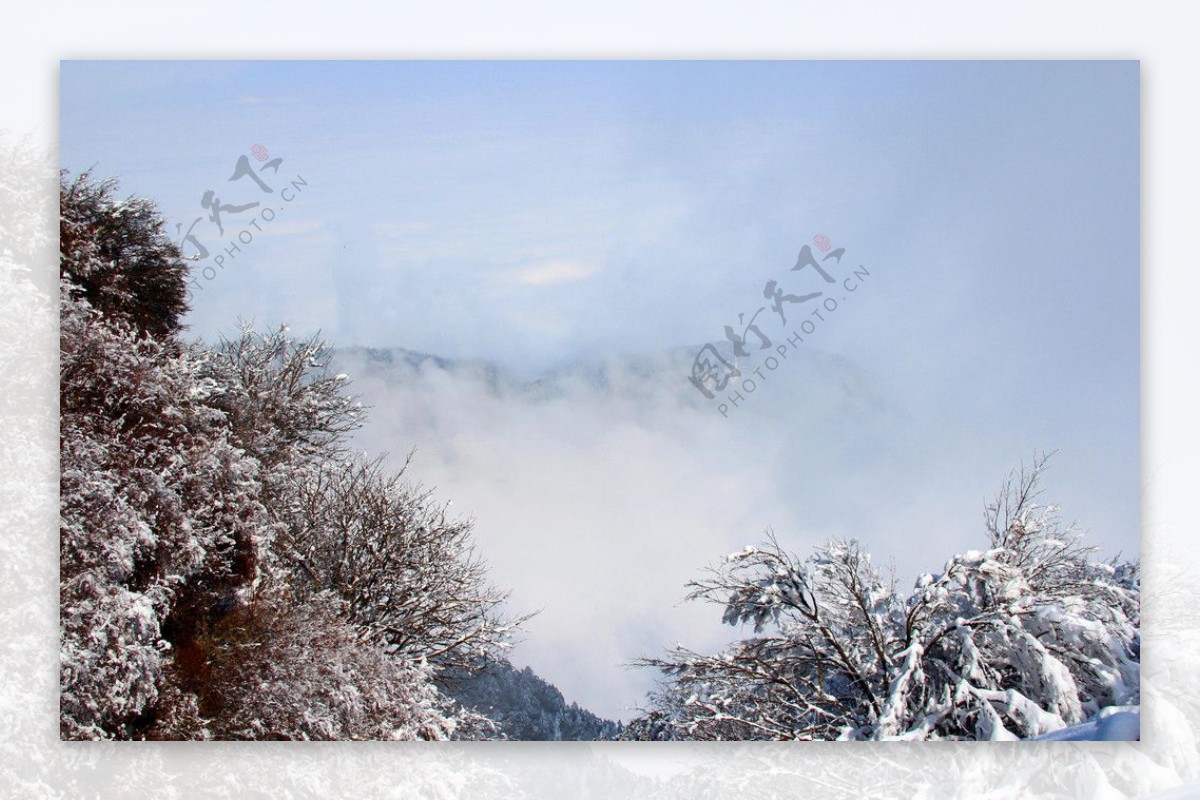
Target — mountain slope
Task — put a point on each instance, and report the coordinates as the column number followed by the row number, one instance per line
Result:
column 526, row 706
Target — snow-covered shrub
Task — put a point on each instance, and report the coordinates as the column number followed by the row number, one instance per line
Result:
column 277, row 670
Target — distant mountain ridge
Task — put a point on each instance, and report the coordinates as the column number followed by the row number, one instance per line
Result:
column 640, row 374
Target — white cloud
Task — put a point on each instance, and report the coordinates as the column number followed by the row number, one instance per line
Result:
column 552, row 272
column 395, row 229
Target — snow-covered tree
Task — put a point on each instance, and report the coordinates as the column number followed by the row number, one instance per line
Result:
column 283, row 404
column 160, row 514
column 346, row 526
column 405, row 571
column 226, row 569
column 159, row 510
column 118, row 256
column 1028, row 636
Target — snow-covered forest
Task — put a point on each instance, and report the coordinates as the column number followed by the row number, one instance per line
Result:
column 232, row 569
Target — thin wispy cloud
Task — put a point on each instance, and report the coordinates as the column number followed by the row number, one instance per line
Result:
column 552, row 272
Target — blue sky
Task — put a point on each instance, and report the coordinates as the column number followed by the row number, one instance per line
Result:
column 535, row 213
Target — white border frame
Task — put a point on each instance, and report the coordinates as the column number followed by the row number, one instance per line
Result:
column 1162, row 36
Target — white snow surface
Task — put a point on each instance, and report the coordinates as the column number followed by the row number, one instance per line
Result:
column 1120, row 723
